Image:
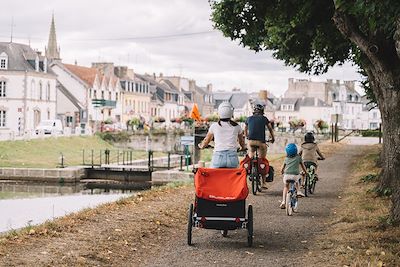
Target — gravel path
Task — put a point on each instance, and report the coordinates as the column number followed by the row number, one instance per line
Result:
column 279, row 240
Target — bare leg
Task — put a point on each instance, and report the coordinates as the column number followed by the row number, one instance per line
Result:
column 284, row 193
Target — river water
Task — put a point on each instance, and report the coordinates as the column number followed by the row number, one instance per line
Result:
column 22, row 205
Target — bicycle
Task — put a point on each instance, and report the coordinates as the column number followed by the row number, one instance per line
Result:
column 291, row 198
column 255, row 176
column 310, row 178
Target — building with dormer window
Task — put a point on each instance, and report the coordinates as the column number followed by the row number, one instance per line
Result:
column 27, row 90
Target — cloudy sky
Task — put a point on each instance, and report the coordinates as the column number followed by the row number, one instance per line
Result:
column 173, row 37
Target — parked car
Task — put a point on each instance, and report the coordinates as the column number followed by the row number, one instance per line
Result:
column 49, row 127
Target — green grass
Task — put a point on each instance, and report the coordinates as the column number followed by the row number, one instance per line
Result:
column 45, row 153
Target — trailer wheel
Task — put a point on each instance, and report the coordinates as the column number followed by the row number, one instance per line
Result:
column 190, row 225
column 250, row 226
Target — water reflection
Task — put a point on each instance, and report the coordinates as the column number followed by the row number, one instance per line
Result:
column 28, row 204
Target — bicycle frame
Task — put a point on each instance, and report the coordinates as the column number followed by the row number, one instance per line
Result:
column 291, row 198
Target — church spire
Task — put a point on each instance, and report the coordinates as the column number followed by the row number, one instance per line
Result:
column 52, row 51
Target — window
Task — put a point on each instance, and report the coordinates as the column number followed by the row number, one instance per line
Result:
column 374, row 115
column 3, row 64
column 3, row 115
column 3, row 61
column 48, row 92
column 116, row 96
column 40, row 91
column 102, row 94
column 3, row 89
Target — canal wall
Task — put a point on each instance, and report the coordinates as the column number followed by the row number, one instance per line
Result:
column 64, row 175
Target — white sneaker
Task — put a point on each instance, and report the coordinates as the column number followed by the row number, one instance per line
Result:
column 300, row 194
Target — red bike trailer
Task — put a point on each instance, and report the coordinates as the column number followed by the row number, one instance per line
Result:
column 220, row 202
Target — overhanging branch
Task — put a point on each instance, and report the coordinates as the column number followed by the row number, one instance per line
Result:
column 348, row 28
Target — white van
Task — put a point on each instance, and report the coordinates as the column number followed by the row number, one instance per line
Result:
column 49, row 127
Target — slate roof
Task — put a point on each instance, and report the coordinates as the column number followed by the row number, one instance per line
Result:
column 19, row 57
column 239, row 100
column 301, row 102
column 222, row 96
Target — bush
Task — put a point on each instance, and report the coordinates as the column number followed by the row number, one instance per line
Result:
column 110, row 137
column 370, row 133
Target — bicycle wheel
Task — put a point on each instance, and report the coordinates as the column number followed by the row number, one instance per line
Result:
column 289, row 204
column 254, row 180
column 306, row 184
column 250, row 226
column 312, row 186
column 190, row 225
column 259, row 182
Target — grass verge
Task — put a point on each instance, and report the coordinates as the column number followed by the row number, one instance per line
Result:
column 358, row 234
column 45, row 153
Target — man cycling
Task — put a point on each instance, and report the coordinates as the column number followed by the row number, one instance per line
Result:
column 254, row 130
column 309, row 152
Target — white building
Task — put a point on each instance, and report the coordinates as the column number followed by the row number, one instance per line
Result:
column 342, row 98
column 27, row 89
column 309, row 109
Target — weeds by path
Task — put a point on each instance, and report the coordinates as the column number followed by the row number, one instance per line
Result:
column 359, row 234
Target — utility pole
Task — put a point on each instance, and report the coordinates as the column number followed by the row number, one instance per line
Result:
column 12, row 28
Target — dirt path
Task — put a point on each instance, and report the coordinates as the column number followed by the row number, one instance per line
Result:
column 151, row 230
column 278, row 239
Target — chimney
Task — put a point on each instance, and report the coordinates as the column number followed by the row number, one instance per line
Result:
column 192, row 85
column 154, row 75
column 121, row 71
column 263, row 94
column 209, row 88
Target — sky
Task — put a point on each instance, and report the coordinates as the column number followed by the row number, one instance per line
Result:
column 174, row 37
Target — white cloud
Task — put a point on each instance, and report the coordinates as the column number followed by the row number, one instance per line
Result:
column 84, row 30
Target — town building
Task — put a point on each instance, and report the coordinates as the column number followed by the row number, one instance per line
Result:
column 136, row 95
column 27, row 89
column 342, row 97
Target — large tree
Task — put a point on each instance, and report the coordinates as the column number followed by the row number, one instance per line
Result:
column 314, row 35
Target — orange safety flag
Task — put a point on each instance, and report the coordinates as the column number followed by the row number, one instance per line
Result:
column 195, row 114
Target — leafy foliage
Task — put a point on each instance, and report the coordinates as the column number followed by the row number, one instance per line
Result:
column 303, row 34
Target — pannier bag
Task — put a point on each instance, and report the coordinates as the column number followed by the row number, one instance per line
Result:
column 263, row 165
column 221, row 185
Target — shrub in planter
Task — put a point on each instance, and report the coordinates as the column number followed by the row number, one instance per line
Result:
column 242, row 118
column 212, row 118
column 159, row 119
column 108, row 121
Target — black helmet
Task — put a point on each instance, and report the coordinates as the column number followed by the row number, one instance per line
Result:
column 258, row 108
column 309, row 137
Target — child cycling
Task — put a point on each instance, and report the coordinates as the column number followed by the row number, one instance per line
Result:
column 309, row 152
column 291, row 171
column 254, row 130
column 226, row 134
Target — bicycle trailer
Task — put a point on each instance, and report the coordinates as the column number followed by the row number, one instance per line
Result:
column 220, row 202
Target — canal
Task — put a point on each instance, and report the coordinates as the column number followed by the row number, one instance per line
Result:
column 25, row 204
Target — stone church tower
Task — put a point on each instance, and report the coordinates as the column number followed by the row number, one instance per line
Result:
column 52, row 51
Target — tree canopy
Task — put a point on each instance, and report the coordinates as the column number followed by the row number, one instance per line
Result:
column 303, row 33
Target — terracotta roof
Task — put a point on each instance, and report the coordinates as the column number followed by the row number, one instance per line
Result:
column 86, row 74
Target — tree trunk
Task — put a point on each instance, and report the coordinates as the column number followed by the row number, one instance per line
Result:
column 389, row 105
